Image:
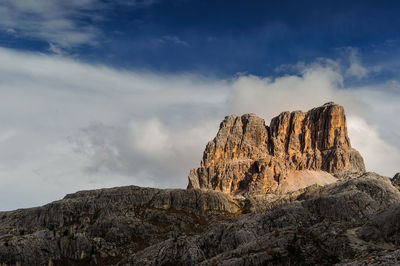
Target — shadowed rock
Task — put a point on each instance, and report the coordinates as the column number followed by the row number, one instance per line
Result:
column 396, row 180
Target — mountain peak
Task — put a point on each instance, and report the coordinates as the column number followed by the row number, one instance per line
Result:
column 296, row 150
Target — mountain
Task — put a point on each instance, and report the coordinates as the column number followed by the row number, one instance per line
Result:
column 297, row 150
column 292, row 193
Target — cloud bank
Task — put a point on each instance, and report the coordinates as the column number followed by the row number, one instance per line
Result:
column 67, row 125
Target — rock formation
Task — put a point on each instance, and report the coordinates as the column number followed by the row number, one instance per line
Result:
column 319, row 227
column 396, row 180
column 103, row 226
column 349, row 222
column 346, row 217
column 248, row 157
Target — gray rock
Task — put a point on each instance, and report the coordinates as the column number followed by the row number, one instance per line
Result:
column 145, row 226
column 396, row 180
column 311, row 228
column 103, row 226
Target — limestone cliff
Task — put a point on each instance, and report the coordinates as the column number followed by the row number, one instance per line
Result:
column 247, row 156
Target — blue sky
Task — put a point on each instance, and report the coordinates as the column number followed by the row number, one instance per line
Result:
column 214, row 37
column 99, row 93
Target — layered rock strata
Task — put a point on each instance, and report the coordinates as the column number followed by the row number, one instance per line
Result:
column 247, row 156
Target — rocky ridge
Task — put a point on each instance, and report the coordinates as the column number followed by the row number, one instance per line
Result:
column 298, row 149
column 103, row 226
column 320, row 226
column 349, row 222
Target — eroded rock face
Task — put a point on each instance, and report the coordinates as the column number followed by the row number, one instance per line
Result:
column 248, row 157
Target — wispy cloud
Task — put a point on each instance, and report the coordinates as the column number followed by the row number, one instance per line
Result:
column 67, row 125
column 356, row 69
column 170, row 39
column 55, row 49
column 64, row 24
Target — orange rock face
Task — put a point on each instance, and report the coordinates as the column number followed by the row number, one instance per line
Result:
column 247, row 156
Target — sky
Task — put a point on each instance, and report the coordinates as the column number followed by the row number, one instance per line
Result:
column 101, row 93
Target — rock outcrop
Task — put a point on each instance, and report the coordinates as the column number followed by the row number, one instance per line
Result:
column 316, row 228
column 396, row 180
column 351, row 222
column 248, row 157
column 103, row 226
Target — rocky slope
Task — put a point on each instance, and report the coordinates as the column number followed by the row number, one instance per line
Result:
column 351, row 220
column 248, row 157
column 104, row 226
column 318, row 227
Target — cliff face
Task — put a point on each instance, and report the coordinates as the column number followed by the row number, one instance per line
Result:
column 247, row 156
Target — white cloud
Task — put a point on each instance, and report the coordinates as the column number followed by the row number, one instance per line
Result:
column 378, row 154
column 107, row 125
column 373, row 126
column 314, row 85
column 67, row 125
column 55, row 49
column 58, row 22
column 150, row 138
column 381, row 109
column 355, row 67
column 63, row 24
